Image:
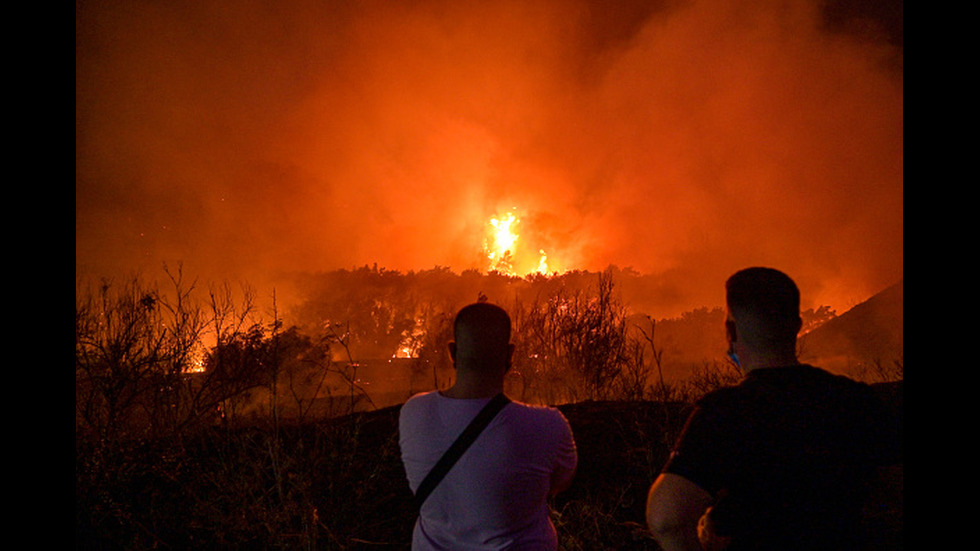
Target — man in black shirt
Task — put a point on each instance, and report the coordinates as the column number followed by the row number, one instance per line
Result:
column 780, row 461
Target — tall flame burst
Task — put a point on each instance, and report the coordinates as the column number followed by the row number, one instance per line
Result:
column 501, row 247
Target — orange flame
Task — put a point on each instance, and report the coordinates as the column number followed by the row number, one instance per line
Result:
column 501, row 247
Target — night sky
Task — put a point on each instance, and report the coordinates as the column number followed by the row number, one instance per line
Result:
column 252, row 139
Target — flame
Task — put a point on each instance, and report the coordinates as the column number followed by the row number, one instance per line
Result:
column 196, row 366
column 501, row 247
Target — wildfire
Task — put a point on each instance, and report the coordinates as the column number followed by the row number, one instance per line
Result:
column 196, row 365
column 501, row 247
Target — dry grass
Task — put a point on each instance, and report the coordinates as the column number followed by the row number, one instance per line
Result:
column 340, row 485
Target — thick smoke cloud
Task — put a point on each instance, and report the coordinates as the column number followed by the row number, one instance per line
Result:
column 682, row 138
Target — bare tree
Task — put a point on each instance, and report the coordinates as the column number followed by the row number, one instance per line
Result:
column 119, row 348
column 136, row 348
column 233, row 366
column 633, row 382
column 338, row 334
column 574, row 345
column 711, row 376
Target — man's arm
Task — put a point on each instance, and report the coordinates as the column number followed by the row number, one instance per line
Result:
column 674, row 506
column 566, row 462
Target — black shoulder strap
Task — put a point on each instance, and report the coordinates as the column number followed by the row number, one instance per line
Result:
column 456, row 450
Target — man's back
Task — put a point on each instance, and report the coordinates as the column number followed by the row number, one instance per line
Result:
column 791, row 450
column 496, row 494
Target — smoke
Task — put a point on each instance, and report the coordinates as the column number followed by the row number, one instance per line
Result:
column 686, row 139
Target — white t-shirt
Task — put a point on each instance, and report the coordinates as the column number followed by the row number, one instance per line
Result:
column 495, row 496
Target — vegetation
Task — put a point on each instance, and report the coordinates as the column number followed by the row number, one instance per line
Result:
column 199, row 424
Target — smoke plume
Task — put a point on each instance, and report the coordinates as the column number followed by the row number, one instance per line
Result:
column 684, row 138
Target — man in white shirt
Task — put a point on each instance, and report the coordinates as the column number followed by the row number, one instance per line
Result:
column 495, row 496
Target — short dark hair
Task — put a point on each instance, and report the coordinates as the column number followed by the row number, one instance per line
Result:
column 767, row 294
column 482, row 328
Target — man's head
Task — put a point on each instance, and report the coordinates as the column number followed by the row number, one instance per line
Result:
column 763, row 309
column 482, row 337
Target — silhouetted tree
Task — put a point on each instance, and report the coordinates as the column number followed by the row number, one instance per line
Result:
column 377, row 306
column 570, row 345
column 135, row 350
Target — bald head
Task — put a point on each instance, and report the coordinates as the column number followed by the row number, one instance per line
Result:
column 482, row 336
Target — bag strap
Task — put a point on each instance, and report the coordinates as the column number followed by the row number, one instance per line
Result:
column 456, row 450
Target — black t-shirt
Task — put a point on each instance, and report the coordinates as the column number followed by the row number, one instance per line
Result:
column 788, row 452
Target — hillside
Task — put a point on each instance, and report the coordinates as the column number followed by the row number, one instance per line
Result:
column 339, row 484
column 867, row 340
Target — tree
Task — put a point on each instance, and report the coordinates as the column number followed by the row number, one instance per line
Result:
column 578, row 344
column 378, row 306
column 142, row 369
column 134, row 349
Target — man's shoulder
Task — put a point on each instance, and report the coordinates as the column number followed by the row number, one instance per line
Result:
column 792, row 388
column 538, row 413
column 538, row 409
column 726, row 396
column 801, row 378
column 418, row 402
column 422, row 398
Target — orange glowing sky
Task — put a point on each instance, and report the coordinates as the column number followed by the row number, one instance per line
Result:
column 687, row 138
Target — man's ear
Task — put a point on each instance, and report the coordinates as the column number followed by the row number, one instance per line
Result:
column 510, row 357
column 452, row 352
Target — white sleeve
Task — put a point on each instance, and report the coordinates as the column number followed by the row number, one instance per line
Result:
column 566, row 457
